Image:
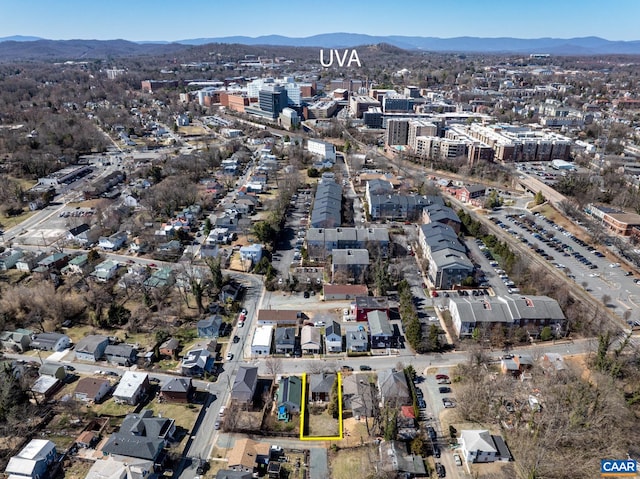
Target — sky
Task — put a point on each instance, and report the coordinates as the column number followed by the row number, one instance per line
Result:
column 164, row 20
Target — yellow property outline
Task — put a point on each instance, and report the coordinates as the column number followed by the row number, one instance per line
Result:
column 340, row 435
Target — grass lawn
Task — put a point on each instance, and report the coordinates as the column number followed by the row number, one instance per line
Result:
column 76, row 469
column 322, row 425
column 111, row 408
column 10, row 222
column 351, row 463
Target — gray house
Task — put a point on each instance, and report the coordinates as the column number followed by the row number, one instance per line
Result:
column 380, row 330
column 333, row 337
column 91, row 348
column 320, row 386
column 54, row 370
column 50, row 342
column 285, row 339
column 18, row 340
column 244, row 386
column 349, row 264
column 357, row 339
column 393, row 387
column 121, row 354
column 209, row 327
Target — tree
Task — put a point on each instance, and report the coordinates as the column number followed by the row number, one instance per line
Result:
column 539, row 198
column 333, row 406
column 546, row 334
column 273, row 366
column 264, row 232
column 118, row 315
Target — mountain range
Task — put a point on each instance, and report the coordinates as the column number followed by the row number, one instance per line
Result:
column 24, row 47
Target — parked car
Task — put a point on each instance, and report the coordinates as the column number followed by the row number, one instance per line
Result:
column 436, row 451
column 441, row 376
column 236, row 339
column 364, row 367
column 457, row 459
column 444, row 390
column 216, row 425
column 448, row 403
column 440, row 470
column 222, row 410
column 229, row 357
column 347, row 368
column 422, row 403
column 432, row 433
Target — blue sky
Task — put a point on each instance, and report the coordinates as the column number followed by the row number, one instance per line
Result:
column 140, row 20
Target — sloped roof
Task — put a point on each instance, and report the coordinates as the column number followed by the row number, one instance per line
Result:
column 393, row 384
column 177, row 385
column 322, row 382
column 379, row 324
column 245, row 383
column 478, row 440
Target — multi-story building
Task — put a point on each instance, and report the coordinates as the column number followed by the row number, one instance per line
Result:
column 272, row 99
column 394, row 102
column 420, row 128
column 321, row 109
column 396, row 132
column 358, row 104
column 322, row 241
column 373, row 117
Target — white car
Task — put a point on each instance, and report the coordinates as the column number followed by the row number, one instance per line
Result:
column 221, row 412
column 229, row 356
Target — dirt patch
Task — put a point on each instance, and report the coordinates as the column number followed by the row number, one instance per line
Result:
column 355, row 433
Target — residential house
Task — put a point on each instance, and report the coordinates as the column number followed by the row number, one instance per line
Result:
column 33, row 460
column 90, row 389
column 44, row 387
column 78, row 233
column 169, row 348
column 15, row 341
column 359, row 395
column 229, row 474
column 161, row 278
column 113, row 242
column 9, row 258
column 105, row 270
column 509, row 366
column 50, row 342
column 261, row 344
column 341, row 292
column 310, row 340
column 448, row 268
column 132, row 386
column 395, row 459
column 244, row 385
column 333, row 337
column 177, row 390
column 349, row 265
column 196, row 362
column 285, row 340
column 320, row 242
column 393, row 387
column 51, row 264
column 289, row 394
column 77, row 265
column 553, row 362
column 280, row 317
column 251, row 253
column 380, row 330
column 121, row 467
column 209, row 327
column 406, row 423
column 91, row 348
column 54, row 370
column 399, row 206
column 230, row 292
column 320, row 386
column 138, row 245
column 141, row 436
column 122, row 354
column 357, row 339
column 29, row 261
column 247, row 455
column 479, row 445
column 366, row 304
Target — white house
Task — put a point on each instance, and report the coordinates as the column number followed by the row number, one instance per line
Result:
column 33, row 460
column 322, row 149
column 131, row 387
column 261, row 344
column 251, row 253
column 113, row 242
column 105, row 270
column 479, row 445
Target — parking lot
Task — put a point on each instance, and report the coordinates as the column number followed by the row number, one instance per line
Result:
column 581, row 262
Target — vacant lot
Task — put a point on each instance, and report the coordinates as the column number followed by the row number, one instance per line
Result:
column 351, row 463
column 321, row 424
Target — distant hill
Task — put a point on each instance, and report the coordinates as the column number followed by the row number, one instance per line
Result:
column 33, row 48
column 78, row 50
column 556, row 46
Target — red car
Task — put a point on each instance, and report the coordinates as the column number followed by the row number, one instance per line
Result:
column 441, row 376
column 434, row 294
